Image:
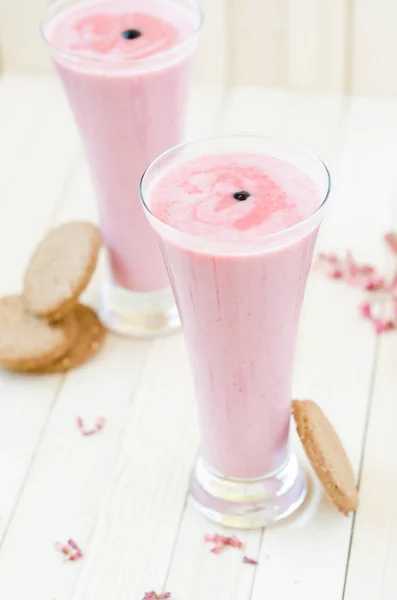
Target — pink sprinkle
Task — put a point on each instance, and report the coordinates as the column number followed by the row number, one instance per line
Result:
column 374, row 284
column 99, row 425
column 154, row 596
column 351, row 272
column 330, row 258
column 71, row 550
column 365, row 310
column 391, row 241
column 221, row 541
column 233, row 542
column 336, row 274
column 367, row 278
column 62, row 548
column 380, row 325
column 383, row 325
column 214, row 538
column 249, row 561
column 100, row 422
column 73, row 545
column 75, row 556
column 88, row 432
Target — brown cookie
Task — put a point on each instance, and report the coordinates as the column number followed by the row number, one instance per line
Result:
column 27, row 342
column 326, row 454
column 90, row 338
column 60, row 269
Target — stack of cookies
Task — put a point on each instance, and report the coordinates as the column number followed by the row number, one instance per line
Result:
column 46, row 330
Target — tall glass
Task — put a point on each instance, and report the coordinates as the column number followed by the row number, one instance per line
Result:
column 240, row 303
column 126, row 77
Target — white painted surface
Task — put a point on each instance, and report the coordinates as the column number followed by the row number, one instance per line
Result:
column 374, row 45
column 258, row 38
column 122, row 495
column 22, row 48
column 318, row 37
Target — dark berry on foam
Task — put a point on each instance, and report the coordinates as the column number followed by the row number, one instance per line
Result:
column 131, row 34
column 241, row 195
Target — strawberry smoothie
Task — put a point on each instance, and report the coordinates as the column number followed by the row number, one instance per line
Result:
column 125, row 65
column 237, row 231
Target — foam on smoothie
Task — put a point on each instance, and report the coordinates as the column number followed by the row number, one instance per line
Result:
column 95, row 31
column 198, row 196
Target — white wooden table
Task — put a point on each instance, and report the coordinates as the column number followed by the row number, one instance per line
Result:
column 122, row 495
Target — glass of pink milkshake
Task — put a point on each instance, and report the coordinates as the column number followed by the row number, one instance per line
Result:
column 237, row 218
column 125, row 66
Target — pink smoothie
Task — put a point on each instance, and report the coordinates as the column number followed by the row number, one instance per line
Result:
column 239, row 299
column 125, row 66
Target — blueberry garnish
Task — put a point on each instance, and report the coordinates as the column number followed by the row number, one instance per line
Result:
column 131, row 34
column 241, row 195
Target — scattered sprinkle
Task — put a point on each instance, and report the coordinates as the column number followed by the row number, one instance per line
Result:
column 99, row 425
column 381, row 325
column 222, row 541
column 62, row 548
column 70, row 551
column 380, row 307
column 365, row 310
column 351, row 272
column 249, row 561
column 391, row 241
column 73, row 545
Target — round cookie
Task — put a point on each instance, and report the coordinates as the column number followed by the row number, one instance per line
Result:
column 326, row 454
column 90, row 338
column 27, row 342
column 60, row 269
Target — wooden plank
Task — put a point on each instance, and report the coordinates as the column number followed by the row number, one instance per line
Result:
column 71, row 475
column 197, row 573
column 374, row 47
column 134, row 536
column 317, row 44
column 22, row 48
column 336, row 354
column 375, row 533
column 213, row 57
column 374, row 548
column 259, row 53
column 37, row 148
column 32, row 137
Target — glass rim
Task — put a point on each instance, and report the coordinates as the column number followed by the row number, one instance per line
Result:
column 122, row 63
column 258, row 136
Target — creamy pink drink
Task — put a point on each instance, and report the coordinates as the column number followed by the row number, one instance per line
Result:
column 237, row 230
column 125, row 65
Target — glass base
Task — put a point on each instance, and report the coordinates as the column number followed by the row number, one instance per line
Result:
column 248, row 504
column 138, row 314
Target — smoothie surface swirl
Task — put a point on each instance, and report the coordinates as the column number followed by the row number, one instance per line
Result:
column 99, row 30
column 199, row 196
